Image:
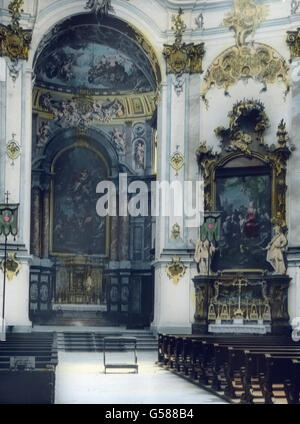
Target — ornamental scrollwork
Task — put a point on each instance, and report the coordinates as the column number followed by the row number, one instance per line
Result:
column 246, row 60
column 245, row 18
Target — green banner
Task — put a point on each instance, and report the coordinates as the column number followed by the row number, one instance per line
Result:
column 210, row 229
column 8, row 220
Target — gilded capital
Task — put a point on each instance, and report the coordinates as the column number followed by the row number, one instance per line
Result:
column 14, row 40
column 180, row 57
column 293, row 41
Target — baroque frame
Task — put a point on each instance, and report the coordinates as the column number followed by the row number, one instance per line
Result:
column 239, row 141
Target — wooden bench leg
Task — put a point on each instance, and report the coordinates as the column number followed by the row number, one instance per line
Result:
column 266, row 388
column 216, row 385
column 229, row 389
column 291, row 392
column 246, row 396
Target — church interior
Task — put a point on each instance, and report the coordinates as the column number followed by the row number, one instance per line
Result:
column 150, row 194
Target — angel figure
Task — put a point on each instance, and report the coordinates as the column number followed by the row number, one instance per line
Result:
column 203, row 254
column 275, row 250
column 119, row 141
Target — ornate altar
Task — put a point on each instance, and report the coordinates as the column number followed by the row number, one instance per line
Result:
column 242, row 285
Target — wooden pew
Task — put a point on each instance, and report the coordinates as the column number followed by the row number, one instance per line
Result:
column 218, row 360
column 27, row 368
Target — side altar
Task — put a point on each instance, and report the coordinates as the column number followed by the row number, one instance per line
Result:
column 242, row 286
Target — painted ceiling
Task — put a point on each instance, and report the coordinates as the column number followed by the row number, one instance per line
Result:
column 102, row 59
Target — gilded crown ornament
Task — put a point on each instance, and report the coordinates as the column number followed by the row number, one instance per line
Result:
column 14, row 40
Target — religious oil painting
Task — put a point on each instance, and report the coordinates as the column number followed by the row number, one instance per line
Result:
column 77, row 229
column 245, row 205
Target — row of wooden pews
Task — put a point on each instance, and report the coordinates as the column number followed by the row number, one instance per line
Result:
column 27, row 368
column 240, row 368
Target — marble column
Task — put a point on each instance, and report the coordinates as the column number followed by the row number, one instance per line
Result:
column 46, row 223
column 36, row 222
column 293, row 195
column 114, row 237
column 124, row 238
column 16, row 103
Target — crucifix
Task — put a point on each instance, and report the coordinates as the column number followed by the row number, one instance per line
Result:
column 7, row 194
column 239, row 282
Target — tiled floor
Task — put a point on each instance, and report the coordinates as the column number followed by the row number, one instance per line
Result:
column 80, row 379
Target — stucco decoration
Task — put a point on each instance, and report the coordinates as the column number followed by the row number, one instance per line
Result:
column 245, row 18
column 100, row 7
column 80, row 111
column 14, row 40
column 246, row 60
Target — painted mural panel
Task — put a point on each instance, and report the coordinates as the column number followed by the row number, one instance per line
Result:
column 102, row 61
column 77, row 229
column 245, row 206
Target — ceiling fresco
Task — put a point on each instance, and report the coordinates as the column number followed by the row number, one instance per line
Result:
column 100, row 59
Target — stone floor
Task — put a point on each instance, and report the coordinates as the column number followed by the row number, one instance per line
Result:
column 80, row 379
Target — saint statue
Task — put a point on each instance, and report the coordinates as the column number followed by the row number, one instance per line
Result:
column 275, row 250
column 203, row 254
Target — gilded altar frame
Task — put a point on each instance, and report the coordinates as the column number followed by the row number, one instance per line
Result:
column 238, row 143
column 243, row 142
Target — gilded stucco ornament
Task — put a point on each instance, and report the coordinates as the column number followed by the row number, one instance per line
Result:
column 293, row 41
column 175, row 270
column 246, row 60
column 14, row 40
column 13, row 149
column 245, row 18
column 176, row 232
column 182, row 58
column 13, row 266
column 177, row 161
column 101, row 8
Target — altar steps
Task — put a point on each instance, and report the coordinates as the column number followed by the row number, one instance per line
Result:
column 79, row 318
column 93, row 341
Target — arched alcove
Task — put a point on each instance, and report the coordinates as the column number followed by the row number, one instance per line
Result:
column 94, row 95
